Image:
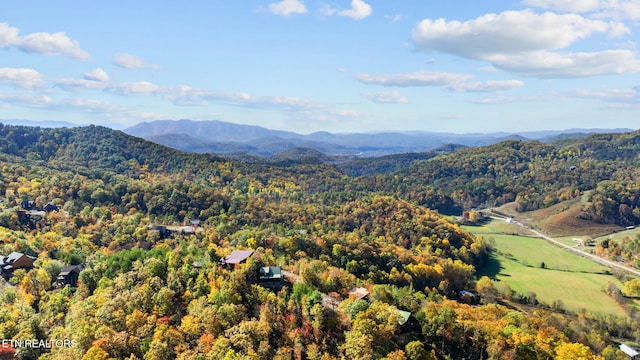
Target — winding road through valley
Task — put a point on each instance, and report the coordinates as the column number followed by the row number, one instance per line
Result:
column 605, row 262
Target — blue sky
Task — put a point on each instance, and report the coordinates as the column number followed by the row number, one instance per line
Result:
column 339, row 66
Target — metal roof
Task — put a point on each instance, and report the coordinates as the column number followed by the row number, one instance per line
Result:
column 359, row 292
column 629, row 350
column 238, row 256
column 404, row 317
column 270, row 273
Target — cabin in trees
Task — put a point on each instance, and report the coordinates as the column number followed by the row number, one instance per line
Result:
column 51, row 207
column 28, row 204
column 404, row 317
column 167, row 230
column 631, row 352
column 161, row 229
column 468, row 297
column 14, row 261
column 359, row 293
column 271, row 277
column 69, row 275
column 236, row 257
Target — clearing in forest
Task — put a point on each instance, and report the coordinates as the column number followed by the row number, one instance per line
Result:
column 533, row 265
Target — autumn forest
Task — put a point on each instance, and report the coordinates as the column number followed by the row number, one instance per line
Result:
column 370, row 259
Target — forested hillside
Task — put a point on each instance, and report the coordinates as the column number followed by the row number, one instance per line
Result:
column 149, row 291
column 533, row 174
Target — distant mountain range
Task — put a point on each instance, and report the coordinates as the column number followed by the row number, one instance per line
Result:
column 218, row 137
column 42, row 124
column 254, row 142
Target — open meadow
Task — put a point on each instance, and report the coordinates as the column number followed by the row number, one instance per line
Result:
column 631, row 233
column 533, row 265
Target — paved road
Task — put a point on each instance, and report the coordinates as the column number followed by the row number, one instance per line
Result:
column 605, row 262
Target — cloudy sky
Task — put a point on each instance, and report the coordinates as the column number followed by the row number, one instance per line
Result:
column 334, row 65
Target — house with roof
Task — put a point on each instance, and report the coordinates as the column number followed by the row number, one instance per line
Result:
column 27, row 204
column 468, row 297
column 403, row 317
column 49, row 207
column 14, row 261
column 271, row 277
column 359, row 293
column 69, row 275
column 629, row 351
column 236, row 257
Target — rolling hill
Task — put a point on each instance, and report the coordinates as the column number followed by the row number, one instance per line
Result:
column 146, row 293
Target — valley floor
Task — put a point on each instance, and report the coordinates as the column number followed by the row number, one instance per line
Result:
column 544, row 269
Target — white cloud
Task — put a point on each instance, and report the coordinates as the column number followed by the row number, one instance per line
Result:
column 527, row 43
column 359, row 10
column 419, row 78
column 623, row 96
column 298, row 108
column 501, row 100
column 510, row 32
column 396, row 18
column 21, row 78
column 28, row 99
column 487, row 86
column 326, row 10
column 288, row 7
column 130, row 88
column 88, row 106
column 185, row 95
column 189, row 96
column 128, row 61
column 97, row 75
column 452, row 81
column 345, row 113
column 42, row 43
column 489, row 68
column 546, row 64
column 9, row 35
column 386, row 97
column 618, row 9
column 618, row 30
column 52, row 44
column 79, row 84
column 628, row 9
column 285, row 102
column 99, row 80
column 580, row 6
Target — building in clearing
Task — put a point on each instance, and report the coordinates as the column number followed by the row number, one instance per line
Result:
column 631, row 352
column 359, row 293
column 236, row 257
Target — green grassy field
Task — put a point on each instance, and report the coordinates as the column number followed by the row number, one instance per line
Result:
column 620, row 235
column 535, row 251
column 578, row 282
column 576, row 290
